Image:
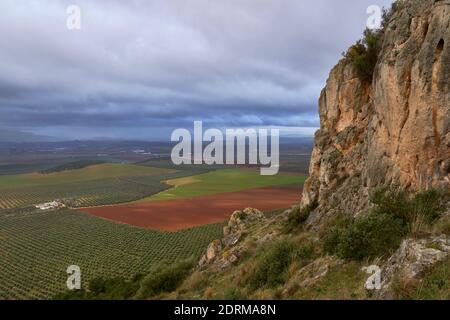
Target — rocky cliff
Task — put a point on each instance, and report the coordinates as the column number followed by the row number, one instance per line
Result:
column 394, row 128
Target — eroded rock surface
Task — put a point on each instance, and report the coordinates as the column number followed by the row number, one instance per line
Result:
column 412, row 259
column 393, row 129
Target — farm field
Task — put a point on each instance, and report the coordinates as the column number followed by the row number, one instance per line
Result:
column 13, row 169
column 91, row 192
column 184, row 213
column 37, row 247
column 82, row 194
column 110, row 235
column 95, row 172
column 222, row 181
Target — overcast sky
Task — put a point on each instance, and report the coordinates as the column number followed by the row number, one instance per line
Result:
column 139, row 69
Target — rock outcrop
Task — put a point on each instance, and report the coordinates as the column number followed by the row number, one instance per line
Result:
column 394, row 129
column 222, row 253
column 411, row 260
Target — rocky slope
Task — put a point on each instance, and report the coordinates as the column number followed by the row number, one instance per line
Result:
column 393, row 129
column 248, row 263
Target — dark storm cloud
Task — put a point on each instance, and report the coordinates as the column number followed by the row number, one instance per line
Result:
column 150, row 66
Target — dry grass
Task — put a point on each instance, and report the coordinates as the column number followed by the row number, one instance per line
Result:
column 341, row 282
column 196, row 282
column 442, row 227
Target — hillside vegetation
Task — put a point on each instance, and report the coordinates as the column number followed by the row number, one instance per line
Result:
column 276, row 260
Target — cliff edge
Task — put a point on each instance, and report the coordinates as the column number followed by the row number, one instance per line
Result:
column 391, row 128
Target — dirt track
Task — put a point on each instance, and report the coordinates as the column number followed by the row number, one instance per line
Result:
column 172, row 215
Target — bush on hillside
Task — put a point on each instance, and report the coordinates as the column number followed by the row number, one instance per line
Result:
column 367, row 237
column 391, row 200
column 418, row 211
column 394, row 216
column 273, row 263
column 164, row 279
column 161, row 279
column 104, row 289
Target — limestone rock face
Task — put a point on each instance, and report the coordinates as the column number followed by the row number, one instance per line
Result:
column 412, row 259
column 309, row 274
column 394, row 129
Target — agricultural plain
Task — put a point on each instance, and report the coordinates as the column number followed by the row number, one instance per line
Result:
column 184, row 211
column 37, row 247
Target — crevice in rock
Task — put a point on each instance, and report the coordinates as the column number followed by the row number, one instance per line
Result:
column 405, row 107
column 435, row 89
column 425, row 30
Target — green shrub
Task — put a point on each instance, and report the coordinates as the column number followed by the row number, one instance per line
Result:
column 104, row 289
column 332, row 239
column 164, row 279
column 364, row 54
column 303, row 253
column 391, row 200
column 425, row 207
column 72, row 295
column 394, row 215
column 368, row 237
column 113, row 289
column 273, row 263
column 161, row 279
column 297, row 217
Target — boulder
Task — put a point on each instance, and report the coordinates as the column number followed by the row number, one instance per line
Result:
column 224, row 252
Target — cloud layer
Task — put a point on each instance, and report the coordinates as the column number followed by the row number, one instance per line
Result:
column 138, row 69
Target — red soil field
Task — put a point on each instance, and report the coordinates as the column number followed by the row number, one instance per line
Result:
column 173, row 215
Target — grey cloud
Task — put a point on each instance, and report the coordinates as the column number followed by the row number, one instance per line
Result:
column 162, row 64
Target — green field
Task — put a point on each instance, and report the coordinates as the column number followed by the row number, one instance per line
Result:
column 221, row 181
column 37, row 247
column 113, row 183
column 95, row 172
column 90, row 193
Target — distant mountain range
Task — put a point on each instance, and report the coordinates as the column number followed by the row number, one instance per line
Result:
column 16, row 136
column 7, row 135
